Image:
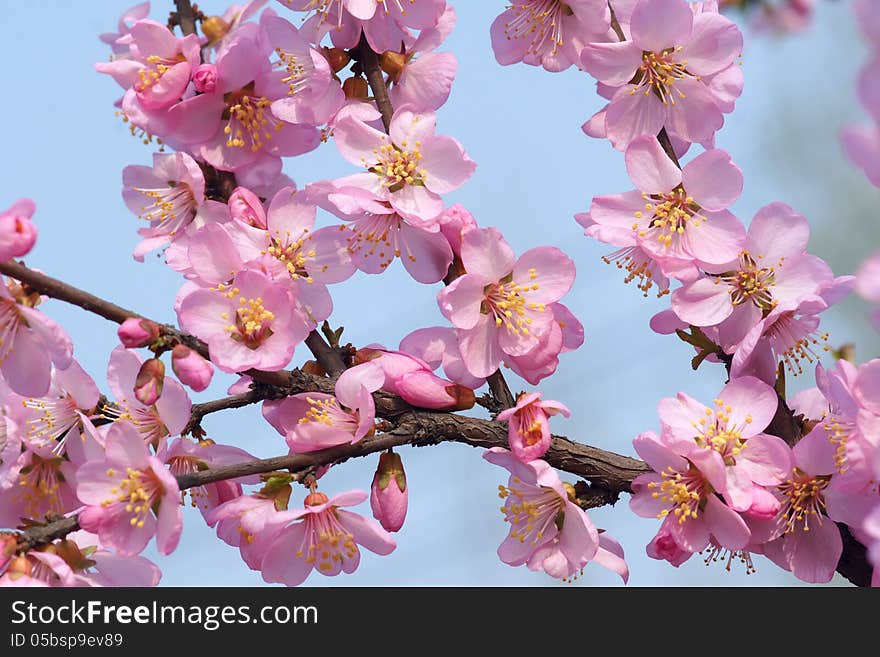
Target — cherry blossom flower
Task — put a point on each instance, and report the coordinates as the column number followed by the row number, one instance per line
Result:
column 313, row 420
column 323, row 537
column 566, row 334
column 548, row 33
column 678, row 217
column 661, row 77
column 682, row 491
column 168, row 195
column 773, row 271
column 548, row 531
column 500, row 306
column 128, row 18
column 30, row 342
column 437, row 346
column 17, row 233
column 388, row 492
column 155, row 422
column 733, row 429
column 528, row 431
column 130, row 496
column 409, row 167
column 245, row 522
column 250, row 323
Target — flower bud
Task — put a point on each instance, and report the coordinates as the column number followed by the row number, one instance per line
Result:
column 137, row 332
column 149, row 382
column 388, row 494
column 664, row 547
column 245, row 206
column 191, row 368
column 393, row 64
column 337, row 57
column 356, row 87
column 17, row 233
column 215, row 28
column 453, row 221
column 205, row 78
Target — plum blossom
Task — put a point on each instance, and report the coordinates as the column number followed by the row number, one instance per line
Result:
column 17, row 233
column 678, row 217
column 773, row 272
column 410, row 167
column 323, row 537
column 662, row 76
column 313, row 420
column 242, row 522
column 168, row 195
column 154, row 422
column 548, row 531
column 528, row 431
column 500, row 306
column 681, row 491
column 249, row 323
column 566, row 334
column 129, row 17
column 437, row 346
column 30, row 342
column 548, row 33
column 130, row 496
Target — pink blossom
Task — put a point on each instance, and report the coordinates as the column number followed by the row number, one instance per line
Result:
column 868, row 19
column 10, row 450
column 245, row 522
column 250, row 323
column 321, row 536
column 191, row 368
column 546, row 33
column 186, row 457
column 453, row 222
column 500, row 306
column 17, row 234
column 414, row 380
column 285, row 248
column 130, row 496
column 159, row 66
column 528, row 429
column 128, row 18
column 566, row 334
column 205, row 78
column 787, row 16
column 149, row 381
column 379, row 234
column 410, row 167
column 662, row 75
column 862, row 145
column 166, row 417
column 773, row 271
column 438, row 346
column 30, row 343
column 313, row 420
column 663, row 547
column 420, row 77
column 547, row 530
column 388, row 492
column 868, row 284
column 678, row 217
column 42, row 486
column 682, row 491
column 168, row 195
column 801, row 538
column 733, row 429
column 137, row 332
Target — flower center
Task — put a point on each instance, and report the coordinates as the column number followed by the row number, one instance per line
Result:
column 297, row 70
column 56, row 417
column 717, row 553
column 506, row 303
column 803, row 500
column 40, row 484
column 137, row 492
column 291, row 254
column 751, row 283
column 839, row 432
column 250, row 121
column 658, row 73
column 716, row 432
column 172, row 207
column 327, row 543
column 399, row 167
column 684, row 491
column 530, row 510
column 155, row 68
column 329, row 413
column 539, row 22
column 795, row 340
column 672, row 214
column 252, row 322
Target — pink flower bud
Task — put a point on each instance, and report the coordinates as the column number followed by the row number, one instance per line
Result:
column 388, row 494
column 191, row 368
column 205, row 78
column 17, row 233
column 664, row 547
column 245, row 206
column 454, row 220
column 137, row 332
column 149, row 382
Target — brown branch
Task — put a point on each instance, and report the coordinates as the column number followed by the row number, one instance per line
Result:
column 327, row 356
column 500, row 390
column 186, row 16
column 369, row 62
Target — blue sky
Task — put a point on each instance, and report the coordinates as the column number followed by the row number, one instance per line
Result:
column 64, row 148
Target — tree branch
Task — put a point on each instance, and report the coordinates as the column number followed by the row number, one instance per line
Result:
column 186, row 16
column 369, row 62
